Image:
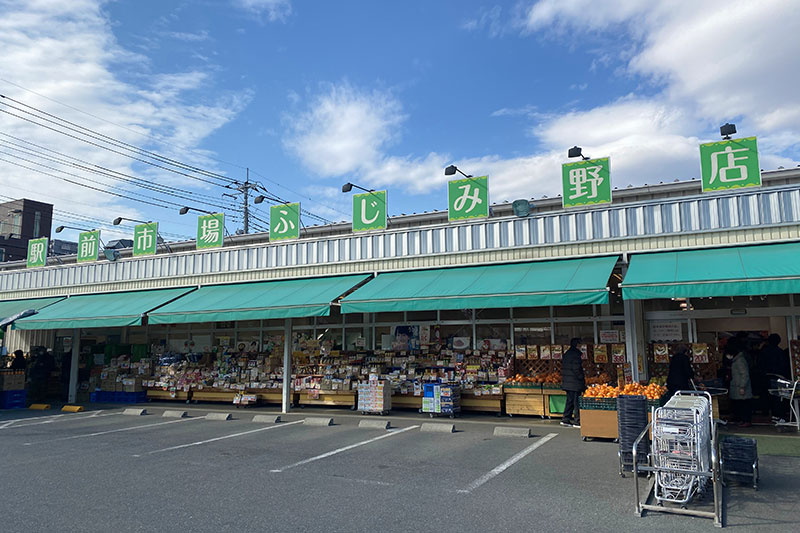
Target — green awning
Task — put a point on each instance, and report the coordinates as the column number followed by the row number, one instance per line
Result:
column 10, row 308
column 256, row 301
column 543, row 283
column 739, row 271
column 100, row 310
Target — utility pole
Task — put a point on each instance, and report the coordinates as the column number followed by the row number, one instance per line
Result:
column 246, row 192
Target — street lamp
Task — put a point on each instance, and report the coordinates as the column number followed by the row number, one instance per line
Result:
column 576, row 151
column 452, row 169
column 59, row 229
column 347, row 187
column 726, row 130
column 117, row 221
column 186, row 209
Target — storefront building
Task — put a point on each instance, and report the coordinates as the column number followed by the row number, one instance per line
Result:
column 482, row 302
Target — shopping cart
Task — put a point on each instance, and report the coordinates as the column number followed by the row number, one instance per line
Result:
column 788, row 390
column 684, row 457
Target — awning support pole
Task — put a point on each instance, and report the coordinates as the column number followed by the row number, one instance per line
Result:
column 287, row 365
column 73, row 366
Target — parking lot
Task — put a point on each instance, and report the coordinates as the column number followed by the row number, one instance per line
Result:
column 103, row 470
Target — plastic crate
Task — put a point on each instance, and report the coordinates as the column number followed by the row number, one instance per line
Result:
column 600, row 404
column 14, row 399
column 93, row 397
column 551, row 386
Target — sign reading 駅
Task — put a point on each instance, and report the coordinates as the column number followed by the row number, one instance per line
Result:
column 210, row 231
column 730, row 164
column 88, row 246
column 369, row 211
column 586, row 182
column 145, row 239
column 284, row 222
column 468, row 198
column 37, row 252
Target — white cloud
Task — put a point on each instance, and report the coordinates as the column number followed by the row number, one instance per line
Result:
column 344, row 129
column 63, row 57
column 274, row 10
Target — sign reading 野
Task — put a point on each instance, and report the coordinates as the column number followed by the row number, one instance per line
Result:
column 145, row 239
column 284, row 222
column 88, row 246
column 730, row 164
column 210, row 231
column 468, row 198
column 37, row 252
column 586, row 182
column 369, row 211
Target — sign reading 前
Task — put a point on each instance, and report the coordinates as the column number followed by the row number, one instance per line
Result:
column 369, row 211
column 468, row 198
column 730, row 164
column 586, row 182
column 88, row 246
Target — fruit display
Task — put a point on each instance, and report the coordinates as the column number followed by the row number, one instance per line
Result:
column 652, row 391
column 598, row 380
column 552, row 378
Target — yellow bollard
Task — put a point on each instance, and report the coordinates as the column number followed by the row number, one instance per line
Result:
column 39, row 406
column 72, row 408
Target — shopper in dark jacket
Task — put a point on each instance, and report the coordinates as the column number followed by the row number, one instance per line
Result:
column 19, row 362
column 774, row 362
column 573, row 383
column 680, row 371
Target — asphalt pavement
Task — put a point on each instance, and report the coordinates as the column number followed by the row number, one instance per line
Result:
column 104, row 471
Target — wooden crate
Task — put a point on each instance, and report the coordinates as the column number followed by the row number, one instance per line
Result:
column 406, row 401
column 336, row 398
column 524, row 402
column 490, row 403
column 158, row 394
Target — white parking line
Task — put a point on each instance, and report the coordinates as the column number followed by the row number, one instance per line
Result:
column 501, row 468
column 198, row 443
column 98, row 433
column 340, row 450
column 10, row 424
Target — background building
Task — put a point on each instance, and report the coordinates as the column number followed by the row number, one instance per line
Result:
column 21, row 221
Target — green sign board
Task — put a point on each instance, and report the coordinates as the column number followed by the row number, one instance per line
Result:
column 468, row 198
column 730, row 164
column 88, row 246
column 586, row 182
column 37, row 252
column 145, row 239
column 210, row 230
column 369, row 211
column 284, row 222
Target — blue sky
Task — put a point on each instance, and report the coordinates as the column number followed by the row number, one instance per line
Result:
column 311, row 94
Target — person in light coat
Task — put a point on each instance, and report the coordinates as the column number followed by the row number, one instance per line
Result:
column 741, row 392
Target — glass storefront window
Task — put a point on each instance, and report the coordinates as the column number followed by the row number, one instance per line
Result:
column 532, row 334
column 248, row 324
column 334, row 318
column 356, row 318
column 389, row 318
column 488, row 314
column 569, row 330
column 531, row 312
column 357, row 339
column 449, row 332
column 330, row 337
column 494, row 337
column 573, row 310
column 421, row 316
column 460, row 315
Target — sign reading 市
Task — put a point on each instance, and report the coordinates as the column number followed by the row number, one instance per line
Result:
column 145, row 239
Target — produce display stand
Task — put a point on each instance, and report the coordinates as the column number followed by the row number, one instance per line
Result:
column 337, row 398
column 245, row 399
column 178, row 395
column 441, row 399
column 524, row 400
column 407, row 401
column 598, row 418
column 275, row 396
column 212, row 395
column 489, row 403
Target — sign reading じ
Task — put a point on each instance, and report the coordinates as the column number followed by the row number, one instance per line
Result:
column 730, row 164
column 284, row 222
column 37, row 252
column 145, row 239
column 88, row 246
column 369, row 211
column 468, row 198
column 210, row 231
column 586, row 182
